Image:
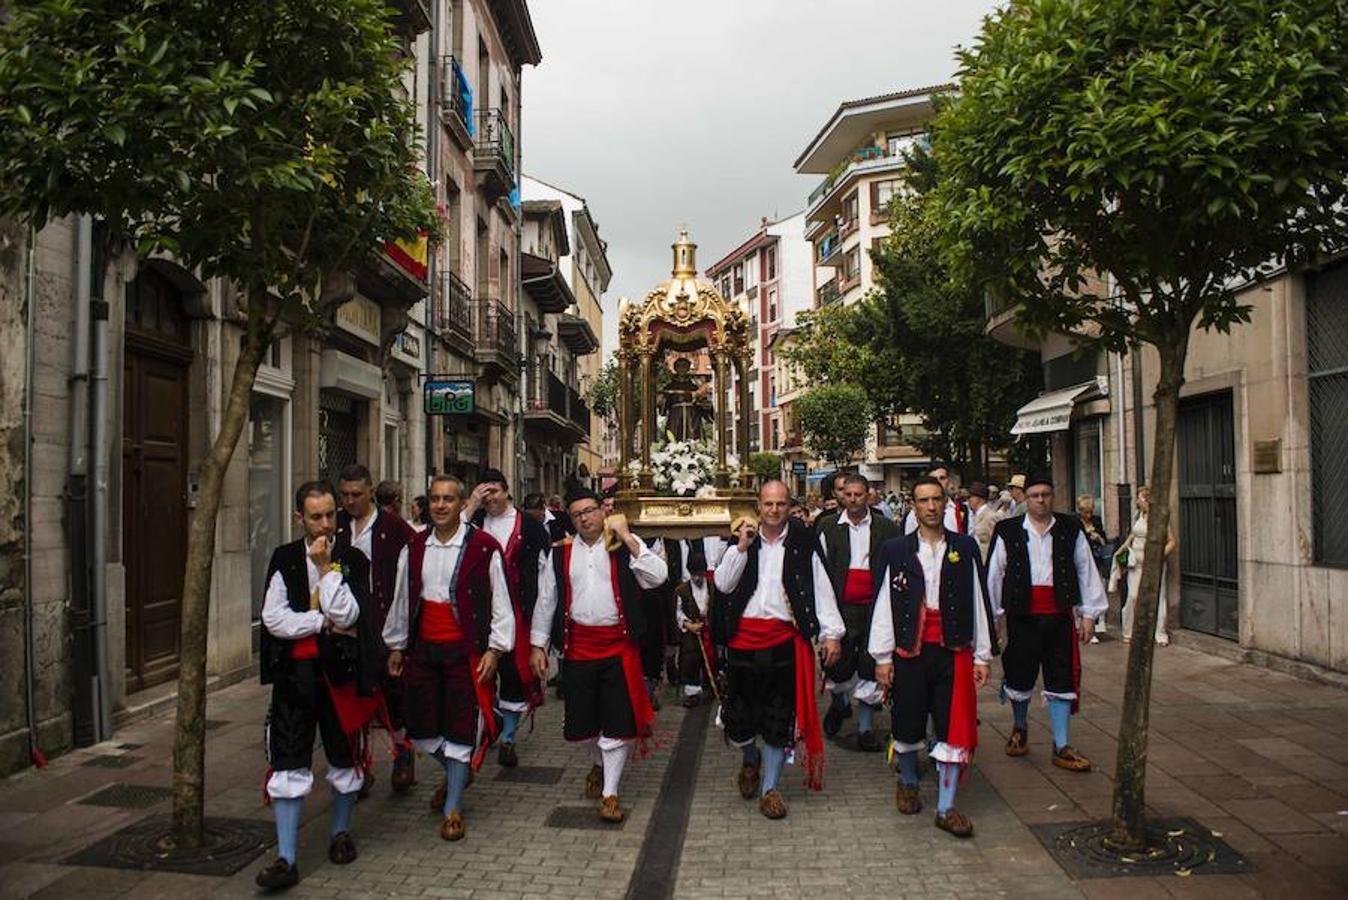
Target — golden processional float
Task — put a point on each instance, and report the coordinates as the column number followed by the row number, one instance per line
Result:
column 683, row 458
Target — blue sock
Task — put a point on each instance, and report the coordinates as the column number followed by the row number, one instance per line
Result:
column 1059, row 715
column 773, row 760
column 1020, row 712
column 908, row 767
column 510, row 723
column 287, row 811
column 456, row 776
column 865, row 715
column 840, row 700
column 947, row 779
column 342, row 804
column 751, row 755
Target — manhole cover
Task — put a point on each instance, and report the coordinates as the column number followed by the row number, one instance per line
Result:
column 109, row 761
column 230, row 845
column 583, row 817
column 1179, row 847
column 127, row 796
column 531, row 774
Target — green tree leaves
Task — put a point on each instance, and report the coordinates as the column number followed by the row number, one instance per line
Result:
column 834, row 419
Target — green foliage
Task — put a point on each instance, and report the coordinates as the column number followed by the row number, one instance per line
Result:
column 834, row 419
column 766, row 465
column 602, row 394
column 1179, row 147
column 269, row 142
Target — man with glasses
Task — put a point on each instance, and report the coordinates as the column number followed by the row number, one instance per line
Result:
column 590, row 610
column 1042, row 576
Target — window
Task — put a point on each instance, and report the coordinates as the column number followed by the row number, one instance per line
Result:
column 849, row 209
column 772, row 395
column 751, row 270
column 776, row 434
column 852, row 264
column 1327, row 384
column 738, row 275
column 881, row 193
column 772, row 304
column 896, row 142
column 770, row 262
column 1087, row 473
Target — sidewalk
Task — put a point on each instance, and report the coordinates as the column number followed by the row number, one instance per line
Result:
column 1260, row 757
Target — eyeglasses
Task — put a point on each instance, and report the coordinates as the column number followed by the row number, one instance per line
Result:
column 586, row 512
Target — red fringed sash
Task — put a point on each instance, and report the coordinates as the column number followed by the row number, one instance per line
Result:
column 764, row 634
column 859, row 589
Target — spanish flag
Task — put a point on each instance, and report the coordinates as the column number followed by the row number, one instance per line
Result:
column 411, row 256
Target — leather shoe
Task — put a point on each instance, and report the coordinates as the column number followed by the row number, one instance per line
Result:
column 907, row 799
column 1069, row 759
column 867, row 742
column 748, row 782
column 1017, row 744
column 507, row 756
column 955, row 822
column 773, row 804
column 404, row 772
column 833, row 720
column 610, row 811
column 280, row 874
column 452, row 829
column 342, row 850
column 594, row 783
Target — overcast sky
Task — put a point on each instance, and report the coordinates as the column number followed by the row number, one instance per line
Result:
column 663, row 114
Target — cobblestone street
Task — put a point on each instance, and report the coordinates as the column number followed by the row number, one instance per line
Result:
column 1257, row 756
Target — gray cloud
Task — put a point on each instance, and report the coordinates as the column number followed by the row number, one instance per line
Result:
column 664, row 114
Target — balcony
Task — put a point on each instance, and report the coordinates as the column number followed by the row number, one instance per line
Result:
column 496, row 347
column 456, row 102
column 866, row 160
column 554, row 409
column 576, row 333
column 452, row 319
column 828, row 292
column 412, row 17
column 827, row 251
column 494, row 154
column 1002, row 326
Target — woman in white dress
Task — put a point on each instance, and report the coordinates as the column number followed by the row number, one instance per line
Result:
column 1130, row 556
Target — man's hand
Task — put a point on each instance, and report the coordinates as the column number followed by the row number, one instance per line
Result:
column 320, row 552
column 981, row 674
column 1086, row 629
column 884, row 675
column 832, row 650
column 486, row 667
column 747, row 533
column 692, row 627
column 395, row 664
column 538, row 661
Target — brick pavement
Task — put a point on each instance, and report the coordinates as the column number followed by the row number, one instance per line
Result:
column 1258, row 756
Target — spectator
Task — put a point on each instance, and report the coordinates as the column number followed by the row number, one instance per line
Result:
column 986, row 516
column 1017, row 485
column 1129, row 557
column 1094, row 529
column 421, row 516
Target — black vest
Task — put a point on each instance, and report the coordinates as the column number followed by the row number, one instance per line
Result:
column 342, row 657
column 1016, row 577
column 629, row 595
column 797, row 579
column 907, row 590
column 838, row 547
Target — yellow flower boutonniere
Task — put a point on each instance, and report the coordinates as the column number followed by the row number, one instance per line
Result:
column 337, row 567
column 953, row 557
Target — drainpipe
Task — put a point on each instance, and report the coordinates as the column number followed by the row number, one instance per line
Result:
column 98, row 508
column 29, row 643
column 77, row 496
column 436, row 84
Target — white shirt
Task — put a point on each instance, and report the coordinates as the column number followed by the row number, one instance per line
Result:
column 362, row 538
column 930, row 557
column 951, row 522
column 858, row 541
column 437, row 569
column 591, row 574
column 335, row 602
column 500, row 527
column 769, row 597
column 712, row 547
column 1040, row 546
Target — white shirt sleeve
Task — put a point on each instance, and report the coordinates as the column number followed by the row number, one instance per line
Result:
column 881, row 643
column 395, row 626
column 545, row 607
column 730, row 569
column 649, row 567
column 996, row 574
column 502, row 637
column 910, row 522
column 336, row 600
column 831, row 626
column 1094, row 603
column 283, row 622
column 982, row 633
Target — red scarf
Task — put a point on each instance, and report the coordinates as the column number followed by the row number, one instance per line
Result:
column 859, row 589
column 586, row 642
column 963, row 728
column 764, row 634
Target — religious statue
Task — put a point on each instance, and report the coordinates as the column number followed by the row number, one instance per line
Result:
column 685, row 403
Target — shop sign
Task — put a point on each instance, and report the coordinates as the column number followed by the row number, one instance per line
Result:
column 448, row 398
column 360, row 316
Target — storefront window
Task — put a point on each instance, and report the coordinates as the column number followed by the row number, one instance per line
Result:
column 1086, row 468
column 268, row 490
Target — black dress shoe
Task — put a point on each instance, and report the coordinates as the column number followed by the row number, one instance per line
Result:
column 342, row 850
column 507, row 756
column 833, row 720
column 867, row 742
column 280, row 874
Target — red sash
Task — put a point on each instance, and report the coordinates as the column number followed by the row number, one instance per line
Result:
column 438, row 624
column 764, row 634
column 931, row 626
column 305, row 648
column 963, row 728
column 859, row 589
column 959, row 519
column 605, row 641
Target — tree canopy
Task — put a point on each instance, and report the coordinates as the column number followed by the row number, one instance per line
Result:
column 834, row 419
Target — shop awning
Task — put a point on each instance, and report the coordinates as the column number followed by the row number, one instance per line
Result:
column 1052, row 410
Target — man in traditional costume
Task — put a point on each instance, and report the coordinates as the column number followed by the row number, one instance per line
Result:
column 450, row 625
column 322, row 659
column 380, row 536
column 836, row 485
column 774, row 599
column 957, row 517
column 932, row 644
column 1042, row 575
column 591, row 611
column 525, row 545
column 849, row 544
column 696, row 654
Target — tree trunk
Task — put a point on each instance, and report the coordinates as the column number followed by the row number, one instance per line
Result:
column 1130, row 776
column 189, row 741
